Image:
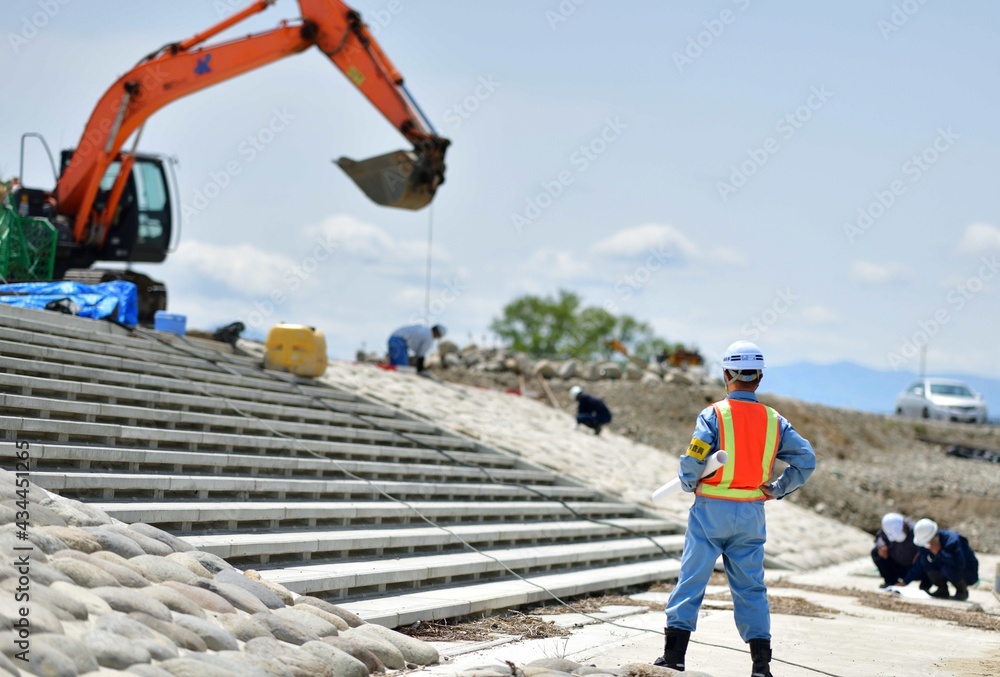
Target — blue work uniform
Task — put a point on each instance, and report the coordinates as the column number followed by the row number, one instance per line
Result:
column 415, row 338
column 733, row 528
column 955, row 562
column 592, row 412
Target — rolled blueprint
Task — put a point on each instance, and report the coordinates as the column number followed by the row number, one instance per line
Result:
column 714, row 462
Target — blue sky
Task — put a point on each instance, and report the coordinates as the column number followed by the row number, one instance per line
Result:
column 818, row 177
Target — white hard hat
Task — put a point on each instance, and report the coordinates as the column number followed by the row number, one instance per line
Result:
column 923, row 532
column 892, row 527
column 743, row 360
column 575, row 391
column 440, row 329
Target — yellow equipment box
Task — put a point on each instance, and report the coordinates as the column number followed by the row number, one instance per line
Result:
column 296, row 348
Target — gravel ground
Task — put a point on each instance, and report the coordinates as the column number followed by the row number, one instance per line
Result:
column 867, row 464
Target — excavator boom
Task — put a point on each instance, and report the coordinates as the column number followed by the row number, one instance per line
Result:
column 407, row 179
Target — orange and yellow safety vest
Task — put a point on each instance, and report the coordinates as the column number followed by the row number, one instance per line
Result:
column 749, row 433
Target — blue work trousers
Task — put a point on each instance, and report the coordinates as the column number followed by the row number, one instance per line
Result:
column 736, row 530
column 398, row 353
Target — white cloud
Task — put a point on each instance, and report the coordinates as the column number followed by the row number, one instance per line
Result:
column 369, row 243
column 242, row 268
column 978, row 238
column 642, row 240
column 871, row 273
column 820, row 315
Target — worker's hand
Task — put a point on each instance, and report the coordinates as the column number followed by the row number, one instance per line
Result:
column 883, row 551
column 934, row 546
column 766, row 488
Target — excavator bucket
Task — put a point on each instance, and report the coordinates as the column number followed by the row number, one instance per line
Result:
column 404, row 179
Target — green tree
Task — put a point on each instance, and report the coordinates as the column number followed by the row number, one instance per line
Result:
column 558, row 325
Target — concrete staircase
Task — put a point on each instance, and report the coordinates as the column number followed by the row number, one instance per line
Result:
column 327, row 493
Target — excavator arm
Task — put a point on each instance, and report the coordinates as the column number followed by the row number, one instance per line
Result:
column 407, row 179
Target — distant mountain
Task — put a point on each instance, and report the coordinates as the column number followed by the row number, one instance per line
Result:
column 852, row 386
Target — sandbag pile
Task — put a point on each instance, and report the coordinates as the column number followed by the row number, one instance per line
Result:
column 105, row 597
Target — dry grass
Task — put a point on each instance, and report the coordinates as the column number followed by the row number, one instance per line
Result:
column 483, row 629
column 590, row 605
column 881, row 600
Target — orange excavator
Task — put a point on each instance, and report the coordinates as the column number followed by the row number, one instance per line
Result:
column 112, row 204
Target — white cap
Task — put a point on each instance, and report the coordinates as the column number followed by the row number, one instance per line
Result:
column 575, row 391
column 923, row 532
column 743, row 360
column 892, row 527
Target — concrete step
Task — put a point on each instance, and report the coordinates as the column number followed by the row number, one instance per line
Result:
column 458, row 601
column 177, row 419
column 160, row 395
column 253, row 550
column 119, row 486
column 180, row 517
column 197, row 371
column 96, row 331
column 194, row 440
column 340, row 580
column 71, row 458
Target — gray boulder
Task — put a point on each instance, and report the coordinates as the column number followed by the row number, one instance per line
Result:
column 413, row 650
column 214, row 636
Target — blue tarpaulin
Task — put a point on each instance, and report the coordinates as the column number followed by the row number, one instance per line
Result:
column 118, row 300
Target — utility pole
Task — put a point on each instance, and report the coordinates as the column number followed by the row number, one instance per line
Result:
column 923, row 361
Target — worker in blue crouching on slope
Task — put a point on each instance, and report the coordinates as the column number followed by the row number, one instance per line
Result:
column 727, row 517
column 591, row 411
column 945, row 557
column 416, row 339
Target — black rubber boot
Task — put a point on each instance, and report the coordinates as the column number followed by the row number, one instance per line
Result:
column 941, row 592
column 961, row 592
column 760, row 652
column 674, row 648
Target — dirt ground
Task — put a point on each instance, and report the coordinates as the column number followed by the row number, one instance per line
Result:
column 867, row 464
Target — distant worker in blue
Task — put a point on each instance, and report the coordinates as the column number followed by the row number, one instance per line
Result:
column 416, row 339
column 727, row 517
column 945, row 557
column 591, row 411
column 895, row 551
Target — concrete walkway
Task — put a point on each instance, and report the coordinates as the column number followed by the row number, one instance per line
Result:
column 849, row 639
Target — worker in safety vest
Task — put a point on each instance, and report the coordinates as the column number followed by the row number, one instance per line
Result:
column 727, row 517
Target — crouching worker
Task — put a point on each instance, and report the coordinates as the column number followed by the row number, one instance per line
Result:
column 416, row 339
column 894, row 552
column 591, row 411
column 945, row 557
column 727, row 517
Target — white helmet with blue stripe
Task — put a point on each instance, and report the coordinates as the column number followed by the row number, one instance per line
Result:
column 744, row 361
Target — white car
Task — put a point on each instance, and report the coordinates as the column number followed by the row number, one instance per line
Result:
column 942, row 399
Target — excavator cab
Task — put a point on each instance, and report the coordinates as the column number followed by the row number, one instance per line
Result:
column 142, row 224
